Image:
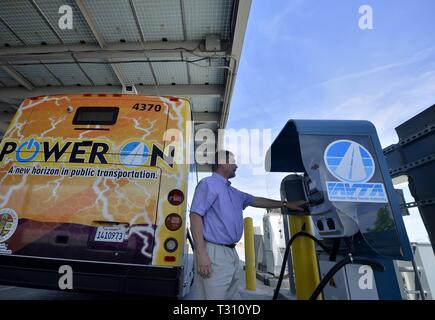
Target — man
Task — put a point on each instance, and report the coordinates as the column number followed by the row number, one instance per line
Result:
column 216, row 222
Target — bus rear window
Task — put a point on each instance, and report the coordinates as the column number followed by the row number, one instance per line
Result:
column 96, row 115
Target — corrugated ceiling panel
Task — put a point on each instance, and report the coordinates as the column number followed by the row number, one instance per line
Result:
column 100, row 74
column 160, row 19
column 80, row 30
column 38, row 75
column 170, row 72
column 7, row 37
column 26, row 22
column 114, row 20
column 69, row 74
column 202, row 73
column 205, row 104
column 136, row 73
column 208, row 16
column 7, row 80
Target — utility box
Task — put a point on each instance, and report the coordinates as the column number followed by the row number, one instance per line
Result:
column 260, row 258
column 353, row 282
column 274, row 241
column 212, row 42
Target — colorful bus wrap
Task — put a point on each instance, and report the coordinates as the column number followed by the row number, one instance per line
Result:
column 91, row 181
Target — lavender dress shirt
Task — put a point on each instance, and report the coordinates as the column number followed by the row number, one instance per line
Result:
column 220, row 206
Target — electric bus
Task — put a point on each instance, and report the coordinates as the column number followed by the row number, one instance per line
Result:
column 93, row 194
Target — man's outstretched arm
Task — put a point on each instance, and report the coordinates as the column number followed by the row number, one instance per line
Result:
column 270, row 204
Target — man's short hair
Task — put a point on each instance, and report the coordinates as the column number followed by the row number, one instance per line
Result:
column 221, row 157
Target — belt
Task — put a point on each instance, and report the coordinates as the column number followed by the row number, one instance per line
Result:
column 232, row 246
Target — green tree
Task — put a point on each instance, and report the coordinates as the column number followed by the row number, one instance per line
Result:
column 383, row 221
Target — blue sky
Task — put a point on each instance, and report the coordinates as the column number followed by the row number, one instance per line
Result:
column 308, row 59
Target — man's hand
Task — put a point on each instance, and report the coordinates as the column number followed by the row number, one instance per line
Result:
column 203, row 264
column 300, row 205
column 269, row 203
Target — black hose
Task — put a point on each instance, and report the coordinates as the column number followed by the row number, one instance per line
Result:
column 374, row 264
column 189, row 238
column 287, row 251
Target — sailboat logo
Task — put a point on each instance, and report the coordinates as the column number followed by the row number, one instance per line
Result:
column 134, row 154
column 349, row 161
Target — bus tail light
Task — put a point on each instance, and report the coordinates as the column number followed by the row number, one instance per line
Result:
column 170, row 258
column 171, row 245
column 176, row 197
column 173, row 222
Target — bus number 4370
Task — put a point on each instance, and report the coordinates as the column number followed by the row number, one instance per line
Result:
column 147, row 107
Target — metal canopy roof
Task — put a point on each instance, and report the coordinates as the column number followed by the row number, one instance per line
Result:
column 163, row 47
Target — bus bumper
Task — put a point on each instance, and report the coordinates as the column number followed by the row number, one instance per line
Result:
column 91, row 276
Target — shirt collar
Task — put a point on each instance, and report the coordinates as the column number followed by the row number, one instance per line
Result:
column 221, row 178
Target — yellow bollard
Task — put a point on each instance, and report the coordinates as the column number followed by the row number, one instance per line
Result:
column 304, row 255
column 251, row 283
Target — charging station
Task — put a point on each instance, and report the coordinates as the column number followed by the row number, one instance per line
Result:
column 339, row 168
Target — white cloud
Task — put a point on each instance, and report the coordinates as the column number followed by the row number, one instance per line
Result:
column 387, row 101
column 415, row 58
column 276, row 26
column 413, row 223
column 415, row 228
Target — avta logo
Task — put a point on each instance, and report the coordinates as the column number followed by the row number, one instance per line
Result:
column 349, row 161
column 353, row 165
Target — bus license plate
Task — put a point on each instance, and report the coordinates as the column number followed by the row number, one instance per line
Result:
column 110, row 234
